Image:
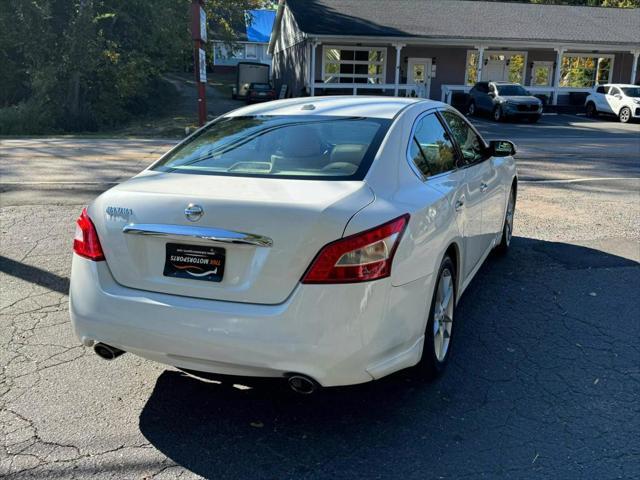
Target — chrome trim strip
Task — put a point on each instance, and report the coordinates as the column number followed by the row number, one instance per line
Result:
column 180, row 232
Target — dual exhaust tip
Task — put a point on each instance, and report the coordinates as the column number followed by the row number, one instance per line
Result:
column 298, row 383
column 302, row 384
column 107, row 351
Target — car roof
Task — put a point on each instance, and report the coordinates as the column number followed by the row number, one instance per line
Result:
column 622, row 85
column 339, row 106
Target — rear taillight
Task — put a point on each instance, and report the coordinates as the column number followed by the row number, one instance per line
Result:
column 86, row 242
column 362, row 257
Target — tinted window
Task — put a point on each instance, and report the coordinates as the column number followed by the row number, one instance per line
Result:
column 631, row 91
column 471, row 145
column 483, row 87
column 601, row 90
column 430, row 149
column 511, row 90
column 296, row 146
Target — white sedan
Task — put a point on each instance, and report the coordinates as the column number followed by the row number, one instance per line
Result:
column 324, row 240
column 620, row 100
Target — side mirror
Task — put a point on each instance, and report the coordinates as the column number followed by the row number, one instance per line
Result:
column 501, row 148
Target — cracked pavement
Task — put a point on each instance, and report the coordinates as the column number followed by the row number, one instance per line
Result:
column 544, row 381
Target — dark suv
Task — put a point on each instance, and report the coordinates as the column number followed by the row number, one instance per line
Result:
column 503, row 100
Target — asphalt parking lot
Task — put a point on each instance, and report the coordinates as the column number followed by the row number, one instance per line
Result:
column 544, row 381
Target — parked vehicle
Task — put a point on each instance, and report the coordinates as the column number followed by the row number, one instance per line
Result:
column 260, row 92
column 616, row 99
column 248, row 73
column 504, row 100
column 290, row 239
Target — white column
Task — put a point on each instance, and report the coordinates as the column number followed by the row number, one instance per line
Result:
column 397, row 78
column 556, row 73
column 314, row 47
column 480, row 62
column 634, row 66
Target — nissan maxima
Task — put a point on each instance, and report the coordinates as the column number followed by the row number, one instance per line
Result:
column 322, row 240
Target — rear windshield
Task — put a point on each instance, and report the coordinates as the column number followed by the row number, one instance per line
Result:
column 296, row 146
column 509, row 90
column 261, row 86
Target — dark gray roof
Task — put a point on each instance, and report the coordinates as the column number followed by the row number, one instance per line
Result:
column 459, row 19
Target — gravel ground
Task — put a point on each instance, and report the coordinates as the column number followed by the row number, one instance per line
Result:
column 544, row 380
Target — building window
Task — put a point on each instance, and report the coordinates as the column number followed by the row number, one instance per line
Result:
column 472, row 67
column 251, row 51
column 353, row 64
column 585, row 71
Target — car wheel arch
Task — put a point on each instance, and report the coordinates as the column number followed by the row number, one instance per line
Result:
column 453, row 252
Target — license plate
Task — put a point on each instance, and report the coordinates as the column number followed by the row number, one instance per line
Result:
column 195, row 262
column 262, row 94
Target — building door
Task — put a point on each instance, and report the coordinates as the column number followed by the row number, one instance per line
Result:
column 495, row 70
column 419, row 73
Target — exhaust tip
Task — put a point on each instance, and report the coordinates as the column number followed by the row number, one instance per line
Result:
column 302, row 384
column 107, row 351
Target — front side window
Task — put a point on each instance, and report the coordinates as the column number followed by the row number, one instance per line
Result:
column 471, row 145
column 431, row 149
column 631, row 91
column 286, row 146
column 354, row 65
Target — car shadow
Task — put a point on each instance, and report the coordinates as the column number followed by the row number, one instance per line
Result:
column 530, row 385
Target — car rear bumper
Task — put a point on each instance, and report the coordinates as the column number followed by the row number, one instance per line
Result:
column 336, row 334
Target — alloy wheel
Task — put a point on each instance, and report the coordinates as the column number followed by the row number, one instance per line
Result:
column 625, row 115
column 443, row 315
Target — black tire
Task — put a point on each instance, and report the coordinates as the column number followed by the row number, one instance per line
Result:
column 624, row 115
column 471, row 109
column 432, row 363
column 497, row 114
column 534, row 119
column 507, row 228
column 592, row 111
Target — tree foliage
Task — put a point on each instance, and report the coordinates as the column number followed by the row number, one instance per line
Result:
column 76, row 65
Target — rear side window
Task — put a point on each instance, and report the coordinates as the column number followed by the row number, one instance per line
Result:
column 602, row 89
column 295, row 146
column 431, row 149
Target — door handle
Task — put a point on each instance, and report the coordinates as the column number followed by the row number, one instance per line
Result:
column 483, row 187
column 459, row 204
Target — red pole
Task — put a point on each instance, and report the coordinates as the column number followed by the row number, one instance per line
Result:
column 198, row 44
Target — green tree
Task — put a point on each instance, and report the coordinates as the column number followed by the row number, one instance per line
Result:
column 89, row 64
